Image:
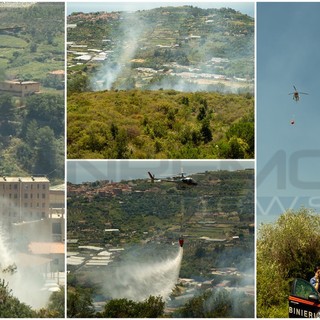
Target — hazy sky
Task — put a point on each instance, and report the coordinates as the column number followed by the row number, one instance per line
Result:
column 79, row 171
column 76, row 6
column 288, row 156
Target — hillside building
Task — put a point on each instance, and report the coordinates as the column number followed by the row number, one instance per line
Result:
column 24, row 199
column 57, row 212
column 33, row 216
column 57, row 74
column 19, row 88
column 33, row 209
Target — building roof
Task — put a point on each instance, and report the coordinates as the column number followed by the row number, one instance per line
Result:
column 57, row 72
column 47, row 247
column 20, row 82
column 23, row 179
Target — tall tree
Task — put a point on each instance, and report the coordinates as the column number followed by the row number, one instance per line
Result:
column 153, row 307
column 79, row 303
column 46, row 151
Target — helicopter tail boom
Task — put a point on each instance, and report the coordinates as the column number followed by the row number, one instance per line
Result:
column 152, row 177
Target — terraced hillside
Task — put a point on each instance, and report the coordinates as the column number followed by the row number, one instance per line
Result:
column 31, row 40
column 183, row 48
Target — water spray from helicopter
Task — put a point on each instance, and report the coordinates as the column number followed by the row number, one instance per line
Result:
column 138, row 279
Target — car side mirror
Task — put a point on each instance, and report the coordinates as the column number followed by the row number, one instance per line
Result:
column 314, row 297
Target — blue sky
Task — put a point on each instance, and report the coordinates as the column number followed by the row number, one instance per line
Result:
column 288, row 156
column 76, row 6
column 79, row 171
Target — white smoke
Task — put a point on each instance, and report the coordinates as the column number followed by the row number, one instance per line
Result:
column 5, row 253
column 137, row 280
column 131, row 32
column 25, row 282
column 131, row 28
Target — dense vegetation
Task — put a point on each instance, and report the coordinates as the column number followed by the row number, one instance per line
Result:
column 32, row 128
column 11, row 307
column 286, row 249
column 160, row 124
column 218, row 303
column 32, row 137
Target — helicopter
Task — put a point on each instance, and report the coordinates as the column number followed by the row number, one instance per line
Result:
column 296, row 94
column 181, row 179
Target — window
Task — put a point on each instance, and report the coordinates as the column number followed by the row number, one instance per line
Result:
column 56, row 228
column 303, row 289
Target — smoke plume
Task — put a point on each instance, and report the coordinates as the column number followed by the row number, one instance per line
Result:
column 137, row 280
column 25, row 280
column 131, row 29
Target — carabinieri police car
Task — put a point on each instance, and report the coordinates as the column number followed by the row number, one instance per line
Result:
column 304, row 300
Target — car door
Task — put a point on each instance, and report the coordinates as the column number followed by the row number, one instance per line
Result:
column 304, row 300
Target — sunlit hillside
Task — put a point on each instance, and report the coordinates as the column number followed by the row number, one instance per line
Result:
column 160, row 124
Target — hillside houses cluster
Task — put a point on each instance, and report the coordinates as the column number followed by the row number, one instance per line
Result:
column 82, row 54
column 93, row 17
column 95, row 51
column 107, row 189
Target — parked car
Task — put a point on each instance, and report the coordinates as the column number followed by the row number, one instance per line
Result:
column 304, row 300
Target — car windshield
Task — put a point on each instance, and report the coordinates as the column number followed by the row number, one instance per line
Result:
column 304, row 289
